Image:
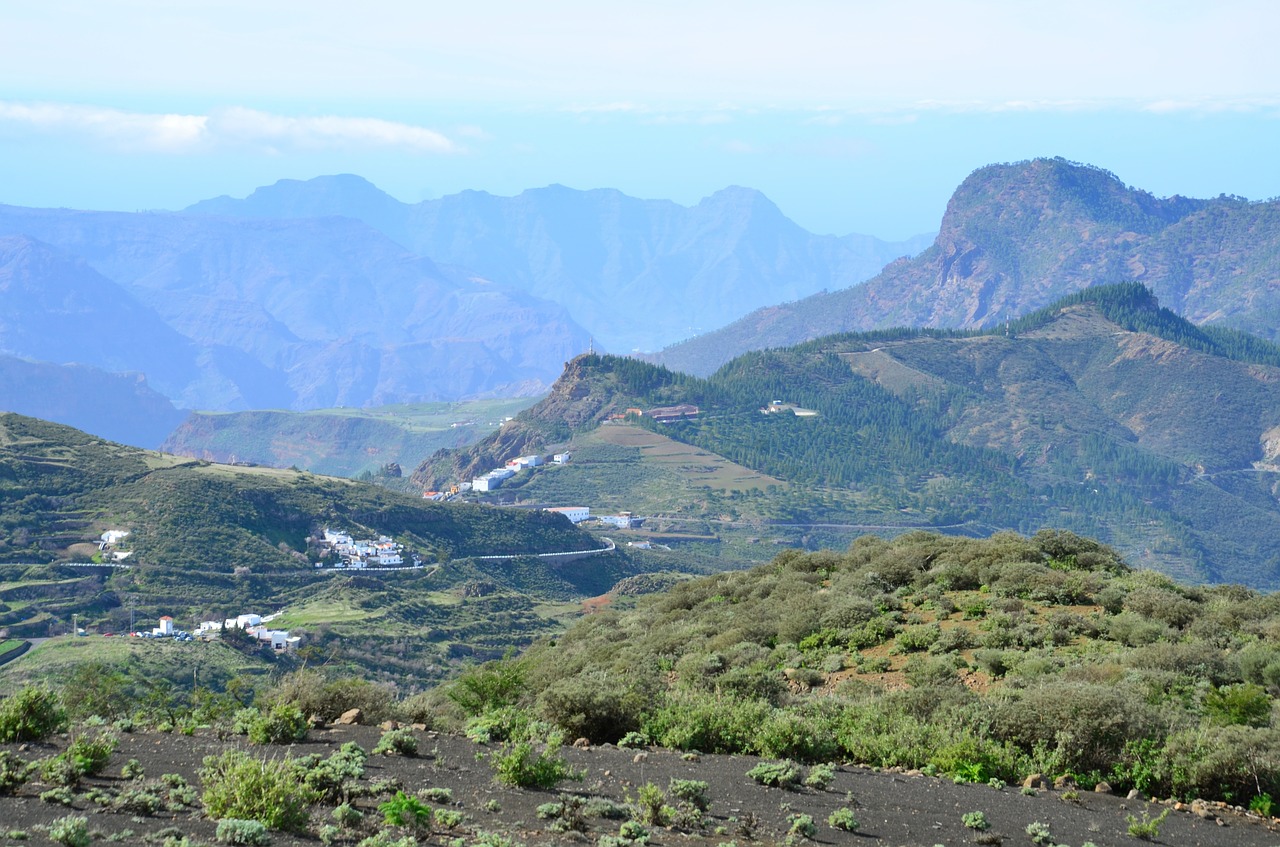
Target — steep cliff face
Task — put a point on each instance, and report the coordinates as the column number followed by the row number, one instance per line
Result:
column 1017, row 237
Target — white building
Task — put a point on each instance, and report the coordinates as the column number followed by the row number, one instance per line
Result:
column 165, row 628
column 114, row 536
column 486, row 483
column 336, row 538
column 575, row 514
column 562, row 458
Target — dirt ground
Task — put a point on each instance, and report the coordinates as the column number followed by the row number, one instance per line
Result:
column 895, row 809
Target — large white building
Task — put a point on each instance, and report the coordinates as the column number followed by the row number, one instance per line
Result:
column 575, row 514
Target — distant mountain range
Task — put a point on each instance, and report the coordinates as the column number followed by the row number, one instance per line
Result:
column 235, row 314
column 1015, row 238
column 639, row 274
column 1103, row 414
column 321, row 294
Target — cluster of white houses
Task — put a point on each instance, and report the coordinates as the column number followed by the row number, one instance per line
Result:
column 254, row 625
column 364, row 553
column 578, row 514
column 110, row 539
column 494, row 478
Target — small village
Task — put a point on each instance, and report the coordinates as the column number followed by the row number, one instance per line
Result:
column 360, row 554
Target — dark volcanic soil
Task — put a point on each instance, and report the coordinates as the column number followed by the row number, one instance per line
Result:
column 894, row 809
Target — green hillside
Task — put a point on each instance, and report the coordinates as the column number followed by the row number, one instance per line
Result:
column 339, row 442
column 211, row 541
column 981, row 659
column 61, row 488
column 1103, row 414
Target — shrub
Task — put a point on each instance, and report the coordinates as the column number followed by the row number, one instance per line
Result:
column 347, row 816
column 403, row 810
column 1246, row 704
column 709, row 723
column 801, row 825
column 436, row 794
column 312, row 694
column 33, row 714
column 91, row 753
column 132, row 769
column 633, row 740
column 60, row 770
column 14, row 772
column 447, row 818
column 1147, row 828
column 776, row 774
column 1039, row 833
column 843, row 819
column 71, row 831
column 283, row 724
column 270, row 791
column 332, row 778
column 916, row 638
column 138, row 801
column 1223, row 761
column 691, row 791
column 595, row 705
column 491, row 686
column 820, row 776
column 242, row 832
column 520, row 766
column 975, row 820
column 651, row 805
column 401, row 742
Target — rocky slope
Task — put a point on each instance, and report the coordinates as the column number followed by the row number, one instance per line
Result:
column 1017, row 237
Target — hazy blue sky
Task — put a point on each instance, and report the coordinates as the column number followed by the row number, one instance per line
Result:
column 851, row 116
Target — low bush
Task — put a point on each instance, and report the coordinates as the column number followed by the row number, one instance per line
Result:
column 284, row 723
column 14, row 772
column 843, row 819
column 334, row 778
column 522, row 766
column 691, row 791
column 400, row 742
column 820, row 776
column 404, row 810
column 270, row 791
column 60, row 770
column 243, row 833
column 1147, row 828
column 33, row 714
column 71, row 831
column 92, row 752
column 776, row 774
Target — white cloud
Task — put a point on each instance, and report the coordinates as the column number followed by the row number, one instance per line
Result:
column 127, row 129
column 236, row 126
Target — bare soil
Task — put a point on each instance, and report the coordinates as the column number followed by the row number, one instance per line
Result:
column 892, row 808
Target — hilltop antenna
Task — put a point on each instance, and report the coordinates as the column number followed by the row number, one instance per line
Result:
column 591, row 346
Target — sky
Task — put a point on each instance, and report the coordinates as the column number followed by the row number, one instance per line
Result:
column 851, row 115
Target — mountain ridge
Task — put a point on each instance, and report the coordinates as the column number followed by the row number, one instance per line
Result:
column 1104, row 414
column 634, row 271
column 1016, row 237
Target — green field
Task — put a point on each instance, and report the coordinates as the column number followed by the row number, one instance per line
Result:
column 342, row 441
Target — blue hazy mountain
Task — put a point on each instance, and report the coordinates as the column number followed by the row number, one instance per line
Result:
column 233, row 313
column 639, row 274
